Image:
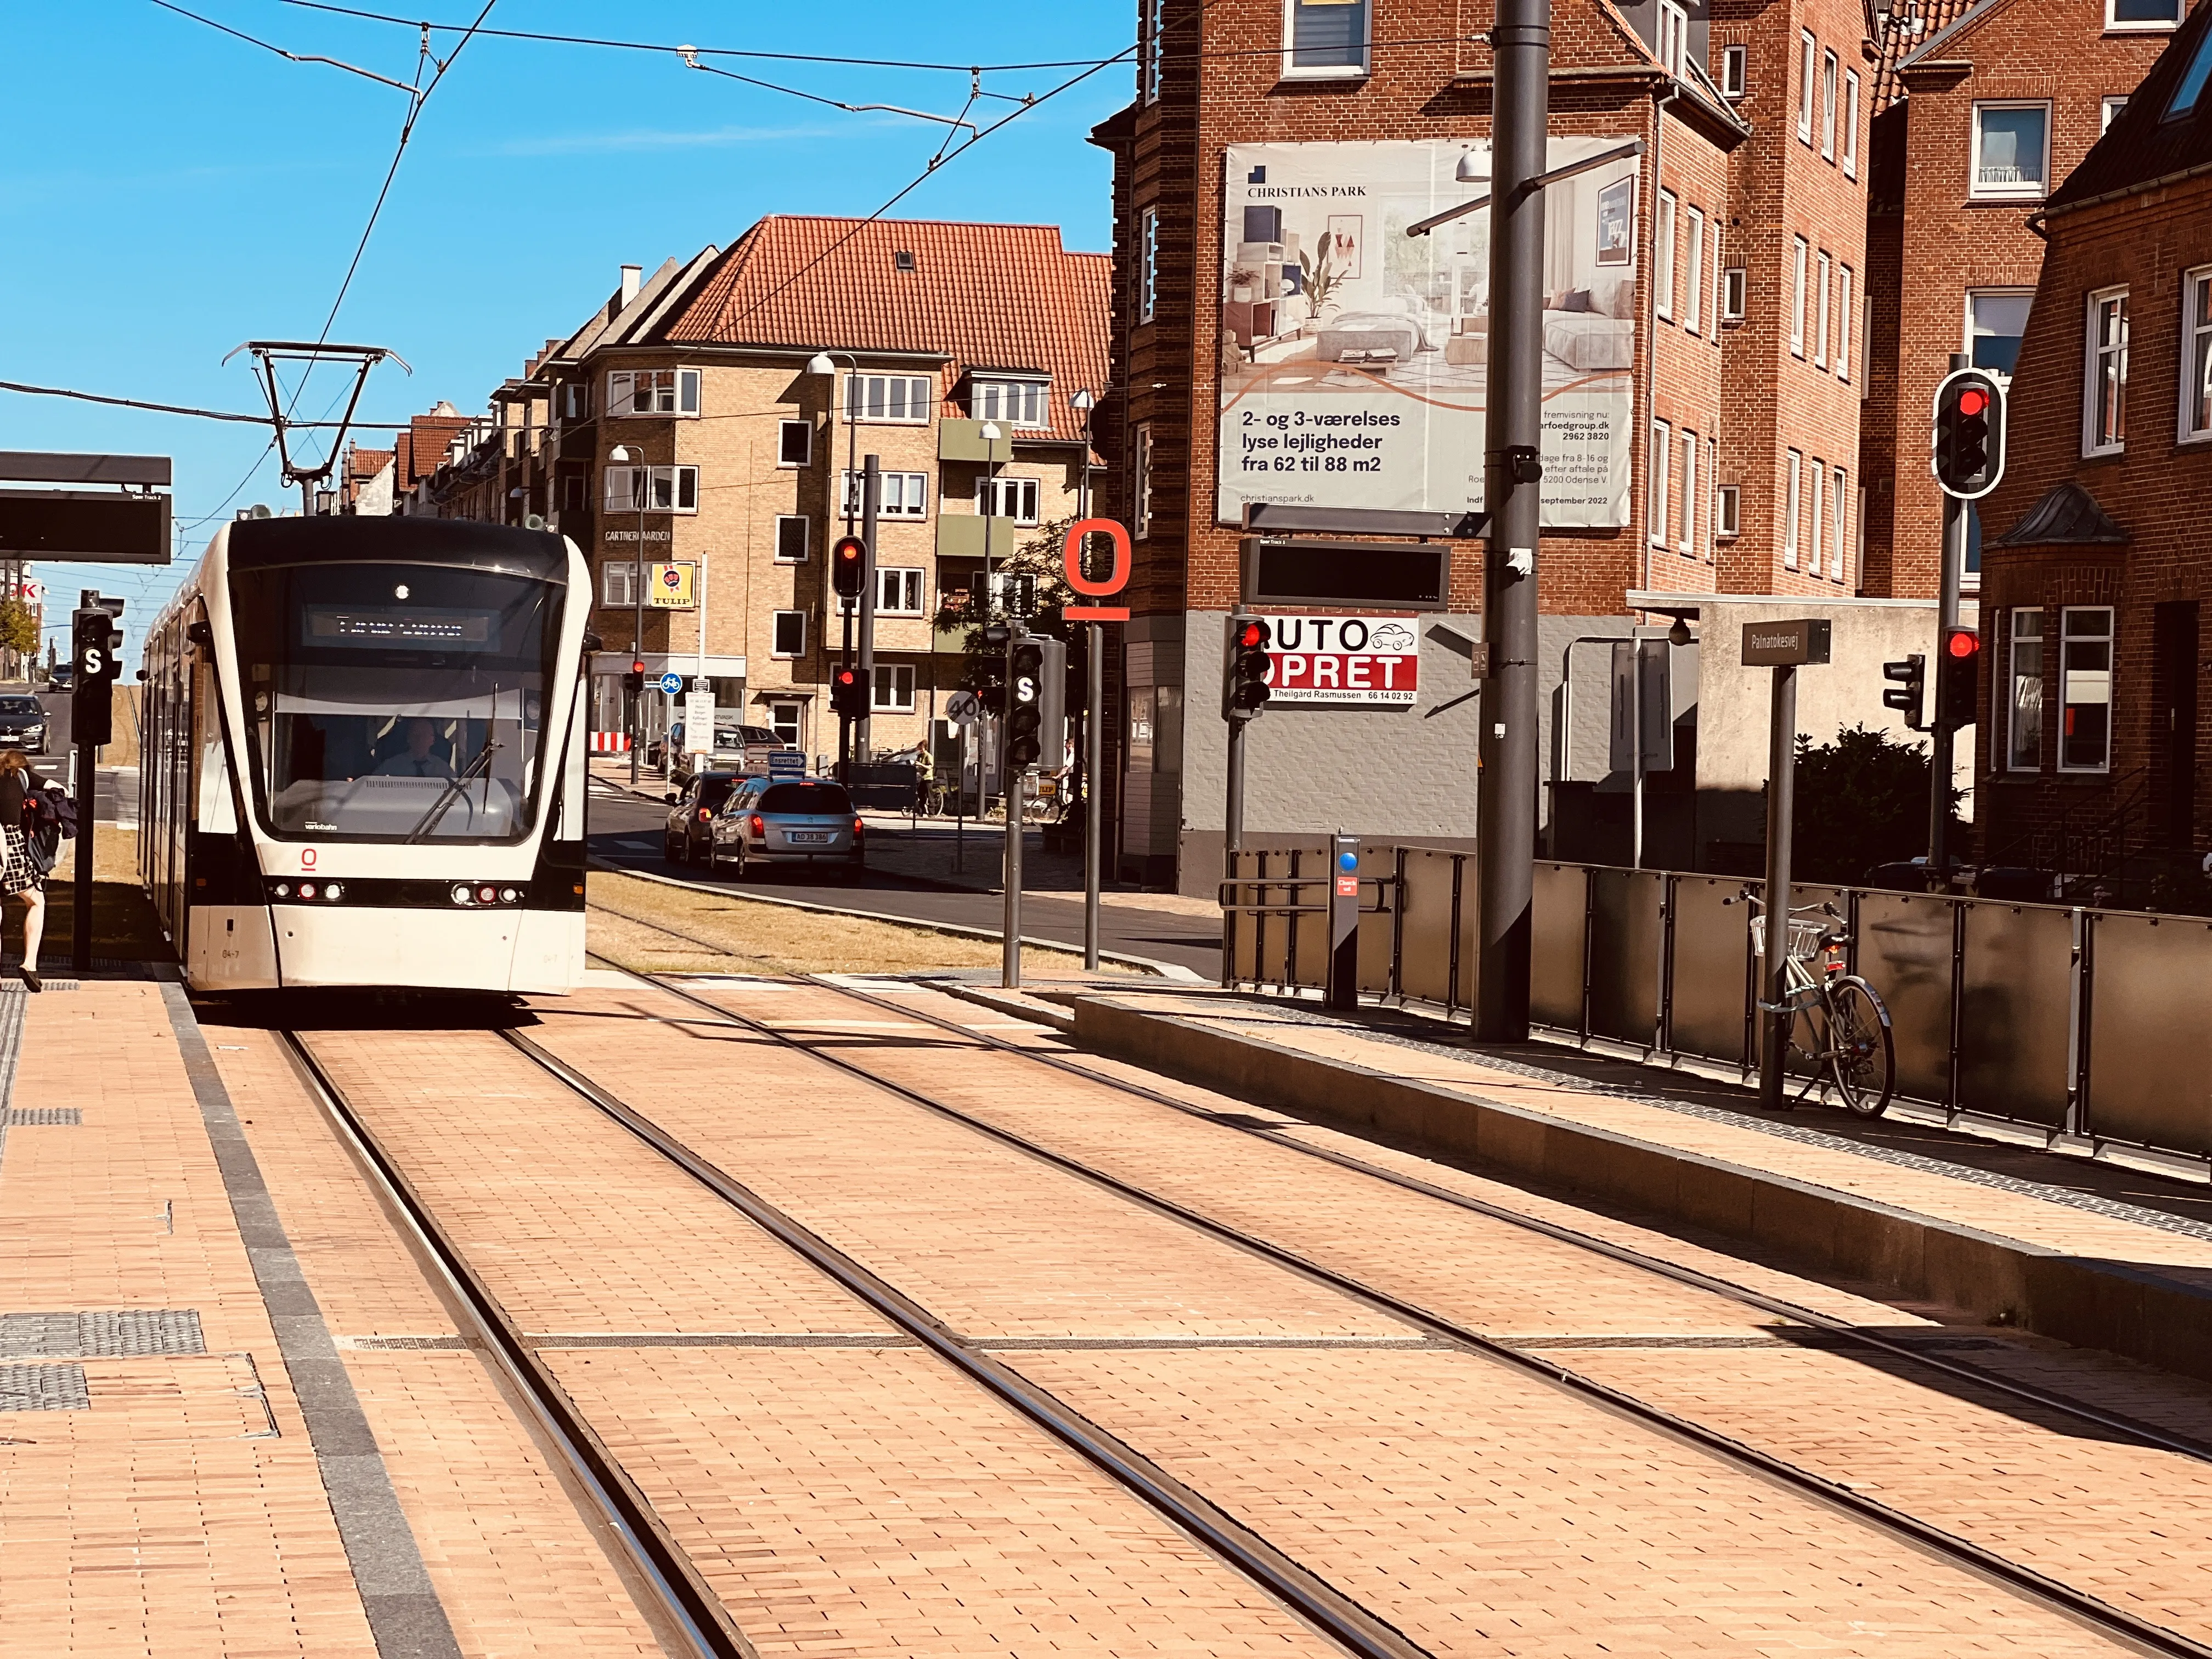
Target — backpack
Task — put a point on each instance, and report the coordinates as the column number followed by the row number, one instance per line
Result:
column 54, row 812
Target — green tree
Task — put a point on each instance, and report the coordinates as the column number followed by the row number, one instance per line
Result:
column 1035, row 592
column 18, row 627
column 1861, row 800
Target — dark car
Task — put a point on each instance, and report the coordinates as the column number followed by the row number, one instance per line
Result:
column 60, row 676
column 787, row 821
column 690, row 832
column 23, row 724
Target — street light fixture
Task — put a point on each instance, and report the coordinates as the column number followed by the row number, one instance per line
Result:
column 631, row 455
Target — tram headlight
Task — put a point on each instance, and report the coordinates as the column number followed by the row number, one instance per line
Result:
column 306, row 890
column 486, row 895
column 333, row 891
column 283, row 889
column 462, row 895
column 508, row 896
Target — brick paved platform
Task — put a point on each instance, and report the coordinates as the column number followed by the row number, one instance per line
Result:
column 2134, row 1279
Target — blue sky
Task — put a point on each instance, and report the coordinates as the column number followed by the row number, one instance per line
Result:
column 176, row 191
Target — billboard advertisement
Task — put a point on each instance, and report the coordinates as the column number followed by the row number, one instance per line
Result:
column 1354, row 358
column 1370, row 661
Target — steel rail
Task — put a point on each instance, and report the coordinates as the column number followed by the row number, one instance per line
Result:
column 2112, row 1622
column 1335, row 1615
column 1626, row 1255
column 690, row 1607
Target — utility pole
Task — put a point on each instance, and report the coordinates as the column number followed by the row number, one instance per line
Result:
column 1776, row 1015
column 1506, row 790
column 1947, row 618
column 871, row 487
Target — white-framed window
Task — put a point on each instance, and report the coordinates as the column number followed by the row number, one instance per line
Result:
column 1004, row 497
column 1816, row 502
column 1807, row 53
column 576, row 400
column 794, row 443
column 1140, row 484
column 2104, row 362
column 652, row 489
column 1686, row 513
column 1017, row 402
column 1792, row 483
column 1662, row 255
column 1674, row 37
column 1148, row 263
column 794, row 537
column 1694, row 270
column 1728, row 512
column 898, row 591
column 2197, row 355
column 1736, row 287
column 1828, row 68
column 1843, row 322
column 2085, row 689
column 1996, row 321
column 1654, row 502
column 892, row 399
column 1150, row 51
column 1850, row 123
column 788, row 634
column 1800, row 256
column 619, row 584
column 1324, row 39
column 788, row 720
column 1736, row 65
column 893, row 690
column 2111, row 108
column 1013, row 592
column 2012, row 151
column 1820, row 269
column 1839, row 525
column 2142, row 14
column 2024, row 704
column 898, row 495
column 653, row 391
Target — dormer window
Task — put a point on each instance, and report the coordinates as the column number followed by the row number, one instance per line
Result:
column 902, row 260
column 1017, row 403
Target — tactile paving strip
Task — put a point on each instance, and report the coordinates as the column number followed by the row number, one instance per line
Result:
column 130, row 1333
column 43, row 1388
column 37, row 1118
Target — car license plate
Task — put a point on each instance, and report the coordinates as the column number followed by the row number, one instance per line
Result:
column 807, row 837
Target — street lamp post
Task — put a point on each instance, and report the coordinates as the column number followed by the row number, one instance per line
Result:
column 824, row 362
column 1094, row 709
column 631, row 455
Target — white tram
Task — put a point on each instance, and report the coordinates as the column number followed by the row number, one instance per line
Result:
column 364, row 758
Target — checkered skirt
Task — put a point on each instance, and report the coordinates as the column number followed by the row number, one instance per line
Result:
column 17, row 873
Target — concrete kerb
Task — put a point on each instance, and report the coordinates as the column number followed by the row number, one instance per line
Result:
column 1173, row 971
column 2118, row 1306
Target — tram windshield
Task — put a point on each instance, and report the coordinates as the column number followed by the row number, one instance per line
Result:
column 395, row 703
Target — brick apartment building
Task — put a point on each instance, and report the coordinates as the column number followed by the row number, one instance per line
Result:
column 2096, row 586
column 937, row 333
column 1980, row 106
column 1718, row 313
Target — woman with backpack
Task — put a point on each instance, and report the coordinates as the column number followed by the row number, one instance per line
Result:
column 20, row 872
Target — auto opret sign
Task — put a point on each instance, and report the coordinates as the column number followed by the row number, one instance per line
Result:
column 1373, row 660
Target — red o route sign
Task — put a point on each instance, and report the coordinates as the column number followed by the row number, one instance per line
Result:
column 1071, row 561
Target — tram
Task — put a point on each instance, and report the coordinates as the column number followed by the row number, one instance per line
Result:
column 363, row 757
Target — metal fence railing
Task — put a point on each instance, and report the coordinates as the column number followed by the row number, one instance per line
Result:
column 2091, row 1027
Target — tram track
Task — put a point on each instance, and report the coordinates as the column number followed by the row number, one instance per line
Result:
column 2117, row 1623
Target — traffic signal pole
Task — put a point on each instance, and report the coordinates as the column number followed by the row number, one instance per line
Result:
column 1947, row 618
column 1506, row 790
column 872, row 486
column 1010, row 951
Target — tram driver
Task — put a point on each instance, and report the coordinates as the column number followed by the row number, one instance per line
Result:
column 417, row 760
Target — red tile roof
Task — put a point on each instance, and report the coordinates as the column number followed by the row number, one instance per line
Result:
column 1897, row 43
column 420, row 450
column 995, row 296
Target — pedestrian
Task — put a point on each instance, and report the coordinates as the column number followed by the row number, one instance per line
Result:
column 925, row 773
column 19, row 874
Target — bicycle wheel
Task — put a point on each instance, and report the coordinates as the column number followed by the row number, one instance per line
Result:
column 1861, row 1053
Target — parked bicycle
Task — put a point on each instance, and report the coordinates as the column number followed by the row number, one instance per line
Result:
column 1839, row 1032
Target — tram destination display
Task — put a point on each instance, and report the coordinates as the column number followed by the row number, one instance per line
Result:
column 418, row 629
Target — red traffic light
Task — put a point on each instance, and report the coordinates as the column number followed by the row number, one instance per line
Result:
column 1973, row 401
column 1962, row 642
column 637, row 666
column 1251, row 635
